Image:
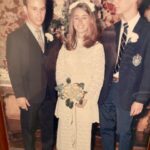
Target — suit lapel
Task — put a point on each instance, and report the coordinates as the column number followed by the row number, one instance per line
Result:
column 138, row 26
column 137, row 29
column 30, row 37
column 117, row 29
column 45, row 44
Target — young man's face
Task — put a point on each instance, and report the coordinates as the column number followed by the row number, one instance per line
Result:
column 35, row 12
column 124, row 6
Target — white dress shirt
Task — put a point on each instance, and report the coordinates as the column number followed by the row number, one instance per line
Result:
column 33, row 30
column 131, row 24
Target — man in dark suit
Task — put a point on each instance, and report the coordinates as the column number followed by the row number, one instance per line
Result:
column 127, row 84
column 26, row 66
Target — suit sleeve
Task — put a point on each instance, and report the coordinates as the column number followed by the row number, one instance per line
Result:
column 143, row 95
column 55, row 45
column 13, row 56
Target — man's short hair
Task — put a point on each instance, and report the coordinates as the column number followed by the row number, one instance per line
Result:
column 25, row 2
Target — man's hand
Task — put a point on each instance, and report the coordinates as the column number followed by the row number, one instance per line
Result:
column 23, row 103
column 136, row 108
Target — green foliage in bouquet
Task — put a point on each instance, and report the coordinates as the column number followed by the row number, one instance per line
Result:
column 72, row 93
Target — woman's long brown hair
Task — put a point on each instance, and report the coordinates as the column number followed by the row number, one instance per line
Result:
column 91, row 35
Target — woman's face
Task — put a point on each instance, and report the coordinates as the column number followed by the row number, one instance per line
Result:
column 81, row 21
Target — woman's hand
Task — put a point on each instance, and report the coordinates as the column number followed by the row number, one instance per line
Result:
column 81, row 103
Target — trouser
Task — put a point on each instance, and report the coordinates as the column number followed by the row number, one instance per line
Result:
column 38, row 114
column 114, row 118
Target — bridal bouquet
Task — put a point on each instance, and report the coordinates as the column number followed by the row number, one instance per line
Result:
column 72, row 93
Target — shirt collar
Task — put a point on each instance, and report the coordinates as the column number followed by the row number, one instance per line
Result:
column 132, row 22
column 33, row 29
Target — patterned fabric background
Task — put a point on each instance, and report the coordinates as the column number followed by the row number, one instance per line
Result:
column 11, row 16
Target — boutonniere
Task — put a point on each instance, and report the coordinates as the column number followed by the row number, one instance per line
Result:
column 133, row 37
column 49, row 36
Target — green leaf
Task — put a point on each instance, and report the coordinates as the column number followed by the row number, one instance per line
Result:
column 71, row 104
column 67, row 102
column 59, row 87
column 68, row 80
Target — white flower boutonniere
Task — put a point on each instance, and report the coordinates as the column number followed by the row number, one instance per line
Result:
column 49, row 36
column 133, row 37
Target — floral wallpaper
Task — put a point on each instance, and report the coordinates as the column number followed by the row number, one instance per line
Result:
column 11, row 16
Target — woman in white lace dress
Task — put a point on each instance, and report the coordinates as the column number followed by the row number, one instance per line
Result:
column 82, row 60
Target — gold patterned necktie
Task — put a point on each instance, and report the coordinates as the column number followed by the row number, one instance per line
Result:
column 40, row 39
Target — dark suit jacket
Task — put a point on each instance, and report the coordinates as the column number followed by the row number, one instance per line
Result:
column 51, row 53
column 26, row 65
column 107, row 38
column 134, row 82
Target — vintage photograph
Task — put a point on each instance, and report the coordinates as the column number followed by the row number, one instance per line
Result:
column 74, row 74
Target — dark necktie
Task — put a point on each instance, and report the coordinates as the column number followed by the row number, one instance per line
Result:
column 122, row 46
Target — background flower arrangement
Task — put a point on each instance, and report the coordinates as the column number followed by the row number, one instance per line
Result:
column 59, row 24
column 104, row 11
